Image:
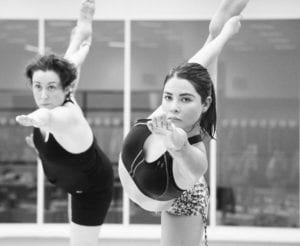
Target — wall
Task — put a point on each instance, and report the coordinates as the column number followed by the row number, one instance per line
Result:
column 145, row 9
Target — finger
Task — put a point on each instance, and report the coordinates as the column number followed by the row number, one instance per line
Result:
column 19, row 118
column 164, row 121
column 169, row 125
column 155, row 122
column 150, row 126
column 172, row 126
column 160, row 122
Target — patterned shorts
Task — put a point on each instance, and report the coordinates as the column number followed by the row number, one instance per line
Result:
column 192, row 202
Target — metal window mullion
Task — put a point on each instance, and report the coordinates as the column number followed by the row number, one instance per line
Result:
column 213, row 169
column 298, row 155
column 213, row 183
column 40, row 172
column 127, row 104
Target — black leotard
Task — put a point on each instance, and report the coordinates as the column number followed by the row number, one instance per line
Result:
column 153, row 179
column 87, row 176
column 75, row 173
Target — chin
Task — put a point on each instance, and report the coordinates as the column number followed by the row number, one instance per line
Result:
column 177, row 124
column 46, row 106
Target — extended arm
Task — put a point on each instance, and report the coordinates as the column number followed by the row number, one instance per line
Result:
column 189, row 161
column 50, row 119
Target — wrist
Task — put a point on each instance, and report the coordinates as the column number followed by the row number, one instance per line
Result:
column 177, row 148
column 178, row 141
column 40, row 117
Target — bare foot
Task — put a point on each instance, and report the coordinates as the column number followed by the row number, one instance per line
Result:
column 83, row 30
column 226, row 10
column 84, row 22
column 232, row 26
column 87, row 11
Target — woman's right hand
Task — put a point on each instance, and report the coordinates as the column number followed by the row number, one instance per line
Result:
column 29, row 141
column 174, row 138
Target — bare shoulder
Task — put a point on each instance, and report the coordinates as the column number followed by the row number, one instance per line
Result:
column 67, row 116
column 200, row 146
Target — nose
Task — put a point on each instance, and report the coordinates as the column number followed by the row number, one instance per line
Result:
column 44, row 94
column 175, row 108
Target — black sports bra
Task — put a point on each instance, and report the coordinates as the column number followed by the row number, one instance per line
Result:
column 154, row 179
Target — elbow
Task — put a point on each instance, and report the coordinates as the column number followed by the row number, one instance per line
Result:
column 200, row 170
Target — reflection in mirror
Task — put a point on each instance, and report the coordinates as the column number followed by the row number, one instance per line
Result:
column 18, row 181
column 100, row 96
column 158, row 46
column 258, row 136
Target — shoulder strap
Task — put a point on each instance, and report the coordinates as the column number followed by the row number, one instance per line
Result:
column 195, row 139
column 68, row 99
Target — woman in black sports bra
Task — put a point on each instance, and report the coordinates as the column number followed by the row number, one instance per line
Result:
column 66, row 145
column 163, row 159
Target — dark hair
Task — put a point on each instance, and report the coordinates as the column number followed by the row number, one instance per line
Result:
column 199, row 77
column 66, row 71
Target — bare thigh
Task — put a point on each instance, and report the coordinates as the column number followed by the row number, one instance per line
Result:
column 84, row 235
column 181, row 230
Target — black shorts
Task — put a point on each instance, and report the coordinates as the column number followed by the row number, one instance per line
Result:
column 90, row 208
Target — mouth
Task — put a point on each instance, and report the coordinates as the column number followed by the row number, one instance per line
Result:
column 174, row 119
column 45, row 105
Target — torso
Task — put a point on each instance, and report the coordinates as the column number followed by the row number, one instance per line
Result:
column 71, row 157
column 153, row 183
column 75, row 138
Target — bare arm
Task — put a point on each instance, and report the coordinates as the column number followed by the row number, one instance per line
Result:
column 189, row 161
column 51, row 120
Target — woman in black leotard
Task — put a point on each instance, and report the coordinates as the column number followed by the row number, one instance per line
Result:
column 163, row 159
column 66, row 145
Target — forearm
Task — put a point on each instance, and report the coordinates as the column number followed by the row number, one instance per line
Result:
column 41, row 117
column 190, row 162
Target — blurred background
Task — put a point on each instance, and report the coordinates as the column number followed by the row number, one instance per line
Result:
column 254, row 164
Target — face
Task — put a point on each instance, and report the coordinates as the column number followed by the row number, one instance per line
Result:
column 47, row 89
column 182, row 103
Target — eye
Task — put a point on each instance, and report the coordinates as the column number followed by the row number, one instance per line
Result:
column 51, row 87
column 37, row 86
column 186, row 99
column 167, row 97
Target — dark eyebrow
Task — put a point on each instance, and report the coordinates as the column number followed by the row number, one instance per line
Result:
column 182, row 94
column 186, row 94
column 52, row 82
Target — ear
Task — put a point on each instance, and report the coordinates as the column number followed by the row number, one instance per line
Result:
column 206, row 104
column 70, row 88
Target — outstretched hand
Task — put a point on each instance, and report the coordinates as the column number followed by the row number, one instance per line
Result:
column 173, row 137
column 30, row 143
column 30, row 120
column 26, row 120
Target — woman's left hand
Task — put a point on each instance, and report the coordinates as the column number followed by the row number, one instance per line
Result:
column 26, row 120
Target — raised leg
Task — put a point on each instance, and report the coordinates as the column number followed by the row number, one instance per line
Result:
column 83, row 30
column 226, row 10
